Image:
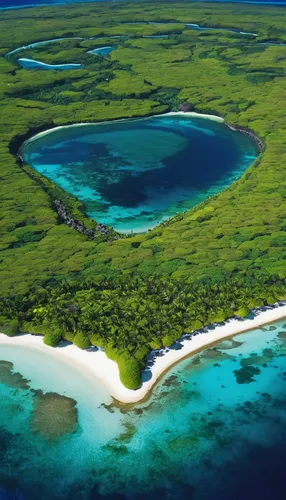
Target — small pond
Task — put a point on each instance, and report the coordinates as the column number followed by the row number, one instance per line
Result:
column 101, row 51
column 33, row 64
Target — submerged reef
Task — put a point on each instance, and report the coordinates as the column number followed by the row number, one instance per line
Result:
column 246, row 374
column 53, row 415
column 10, row 378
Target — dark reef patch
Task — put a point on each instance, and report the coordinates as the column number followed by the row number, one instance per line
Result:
column 246, row 374
column 127, row 435
column 254, row 359
column 10, row 378
column 172, row 380
column 115, row 448
column 228, row 344
column 182, row 443
column 214, row 353
column 53, row 415
column 282, row 335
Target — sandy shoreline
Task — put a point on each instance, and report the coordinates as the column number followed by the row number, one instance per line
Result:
column 96, row 364
column 190, row 114
column 194, row 114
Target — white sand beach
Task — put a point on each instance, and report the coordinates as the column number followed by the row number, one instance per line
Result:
column 96, row 364
column 194, row 114
column 191, row 114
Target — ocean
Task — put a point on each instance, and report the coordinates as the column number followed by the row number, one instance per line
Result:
column 213, row 428
column 30, row 3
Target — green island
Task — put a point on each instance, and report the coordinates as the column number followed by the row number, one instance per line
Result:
column 131, row 294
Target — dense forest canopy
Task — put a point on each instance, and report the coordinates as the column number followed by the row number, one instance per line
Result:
column 235, row 237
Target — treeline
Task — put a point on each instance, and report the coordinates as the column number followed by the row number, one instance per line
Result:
column 129, row 317
column 235, row 239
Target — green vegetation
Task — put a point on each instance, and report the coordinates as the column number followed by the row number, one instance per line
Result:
column 130, row 316
column 94, row 288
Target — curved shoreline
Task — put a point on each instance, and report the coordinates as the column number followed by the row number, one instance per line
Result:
column 32, row 45
column 191, row 25
column 96, row 365
column 259, row 142
column 35, row 64
column 188, row 114
column 193, row 114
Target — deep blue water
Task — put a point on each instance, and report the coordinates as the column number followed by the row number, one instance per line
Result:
column 22, row 3
column 134, row 174
column 205, row 434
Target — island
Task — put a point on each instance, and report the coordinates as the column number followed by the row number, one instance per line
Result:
column 73, row 279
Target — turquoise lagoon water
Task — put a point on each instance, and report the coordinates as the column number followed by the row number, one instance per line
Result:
column 33, row 64
column 101, row 51
column 55, row 40
column 194, row 26
column 134, row 174
column 39, row 44
column 214, row 428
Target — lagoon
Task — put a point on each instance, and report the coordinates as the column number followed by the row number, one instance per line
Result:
column 134, row 174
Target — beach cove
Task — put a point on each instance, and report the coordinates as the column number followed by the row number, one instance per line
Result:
column 208, row 428
column 95, row 364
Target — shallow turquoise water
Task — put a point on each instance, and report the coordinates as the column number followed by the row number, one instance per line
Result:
column 33, row 64
column 202, row 435
column 39, row 44
column 134, row 174
column 101, row 51
column 194, row 26
column 27, row 63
